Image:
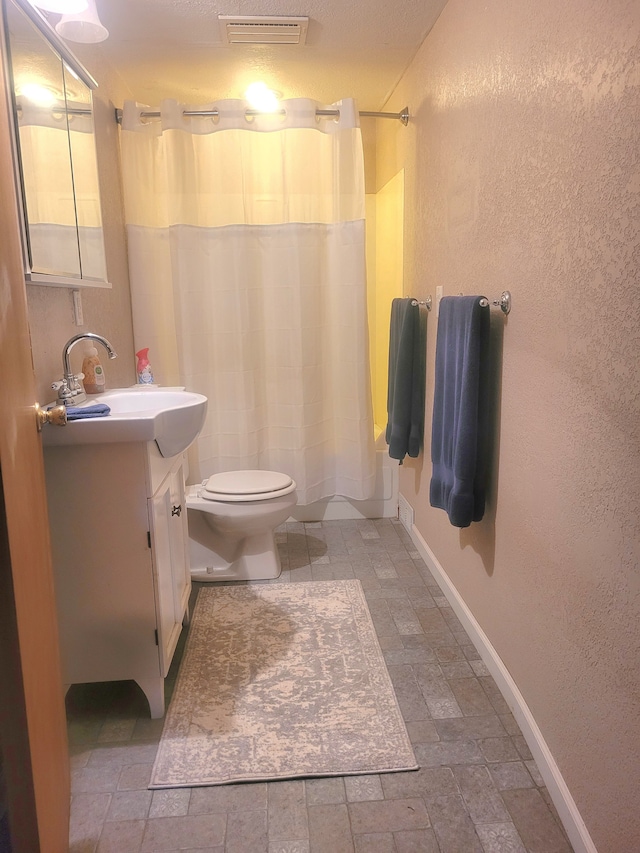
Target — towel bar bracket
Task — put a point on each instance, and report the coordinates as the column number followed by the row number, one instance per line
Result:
column 426, row 302
column 504, row 303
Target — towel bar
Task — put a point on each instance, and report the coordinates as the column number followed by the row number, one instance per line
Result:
column 426, row 302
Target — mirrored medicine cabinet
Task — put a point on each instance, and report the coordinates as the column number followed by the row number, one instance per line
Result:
column 54, row 153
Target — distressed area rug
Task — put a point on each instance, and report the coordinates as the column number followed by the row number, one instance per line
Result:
column 280, row 681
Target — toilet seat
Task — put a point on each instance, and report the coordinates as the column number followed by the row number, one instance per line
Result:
column 237, row 486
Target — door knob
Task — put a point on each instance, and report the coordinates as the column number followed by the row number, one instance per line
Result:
column 176, row 510
column 57, row 415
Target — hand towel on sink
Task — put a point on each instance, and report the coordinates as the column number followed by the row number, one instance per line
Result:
column 98, row 410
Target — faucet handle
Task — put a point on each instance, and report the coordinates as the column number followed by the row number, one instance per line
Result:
column 64, row 392
column 67, row 381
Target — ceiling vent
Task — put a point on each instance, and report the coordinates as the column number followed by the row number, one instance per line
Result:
column 263, row 29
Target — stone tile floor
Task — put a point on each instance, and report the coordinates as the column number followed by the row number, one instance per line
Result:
column 477, row 790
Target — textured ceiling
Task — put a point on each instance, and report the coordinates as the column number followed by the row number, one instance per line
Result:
column 173, row 48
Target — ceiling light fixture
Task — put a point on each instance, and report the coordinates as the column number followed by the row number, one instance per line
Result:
column 62, row 7
column 85, row 27
column 262, row 98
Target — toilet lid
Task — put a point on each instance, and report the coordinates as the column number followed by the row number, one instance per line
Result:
column 247, row 485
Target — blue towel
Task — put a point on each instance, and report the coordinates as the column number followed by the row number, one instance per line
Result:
column 459, row 438
column 405, row 394
column 98, row 410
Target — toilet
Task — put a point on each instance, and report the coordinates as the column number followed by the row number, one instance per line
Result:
column 232, row 517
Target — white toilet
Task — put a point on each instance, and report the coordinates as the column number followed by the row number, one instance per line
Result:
column 232, row 517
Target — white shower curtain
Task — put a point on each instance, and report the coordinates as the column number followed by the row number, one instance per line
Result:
column 246, row 253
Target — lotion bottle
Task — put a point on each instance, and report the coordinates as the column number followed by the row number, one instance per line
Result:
column 94, row 379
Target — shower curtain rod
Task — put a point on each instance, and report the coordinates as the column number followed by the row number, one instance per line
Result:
column 402, row 116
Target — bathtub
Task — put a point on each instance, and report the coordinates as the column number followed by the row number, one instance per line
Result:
column 383, row 504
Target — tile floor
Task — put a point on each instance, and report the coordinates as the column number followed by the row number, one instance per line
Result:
column 477, row 791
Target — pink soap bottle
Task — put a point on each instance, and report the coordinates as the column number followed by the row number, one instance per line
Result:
column 145, row 374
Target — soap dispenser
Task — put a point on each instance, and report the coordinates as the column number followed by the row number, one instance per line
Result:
column 94, row 378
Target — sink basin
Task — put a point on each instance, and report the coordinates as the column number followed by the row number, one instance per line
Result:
column 172, row 417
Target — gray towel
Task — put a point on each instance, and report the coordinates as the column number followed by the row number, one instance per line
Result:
column 459, row 436
column 405, row 395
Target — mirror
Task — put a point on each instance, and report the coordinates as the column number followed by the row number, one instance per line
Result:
column 55, row 154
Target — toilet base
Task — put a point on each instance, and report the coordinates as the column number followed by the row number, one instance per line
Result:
column 258, row 560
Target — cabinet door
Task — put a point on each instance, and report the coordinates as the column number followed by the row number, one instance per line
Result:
column 179, row 538
column 160, row 519
column 167, row 512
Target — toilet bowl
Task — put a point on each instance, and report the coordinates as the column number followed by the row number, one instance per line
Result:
column 232, row 518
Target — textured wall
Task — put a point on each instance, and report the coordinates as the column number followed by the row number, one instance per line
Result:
column 106, row 312
column 522, row 173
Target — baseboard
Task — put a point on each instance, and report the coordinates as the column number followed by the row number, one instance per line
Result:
column 558, row 790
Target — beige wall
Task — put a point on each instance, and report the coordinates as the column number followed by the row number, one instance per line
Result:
column 106, row 312
column 522, row 173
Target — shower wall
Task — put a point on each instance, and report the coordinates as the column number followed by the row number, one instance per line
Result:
column 388, row 236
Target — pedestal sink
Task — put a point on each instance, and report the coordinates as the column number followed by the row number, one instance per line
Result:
column 172, row 417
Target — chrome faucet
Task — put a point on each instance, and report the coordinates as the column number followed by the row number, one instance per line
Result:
column 69, row 388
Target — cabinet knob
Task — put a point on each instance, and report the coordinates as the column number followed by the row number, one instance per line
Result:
column 176, row 510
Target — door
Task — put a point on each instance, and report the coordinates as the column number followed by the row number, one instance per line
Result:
column 33, row 740
column 160, row 523
column 172, row 580
column 179, row 544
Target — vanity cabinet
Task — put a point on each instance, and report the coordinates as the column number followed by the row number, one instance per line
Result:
column 121, row 568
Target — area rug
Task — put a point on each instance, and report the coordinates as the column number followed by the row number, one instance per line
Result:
column 281, row 681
